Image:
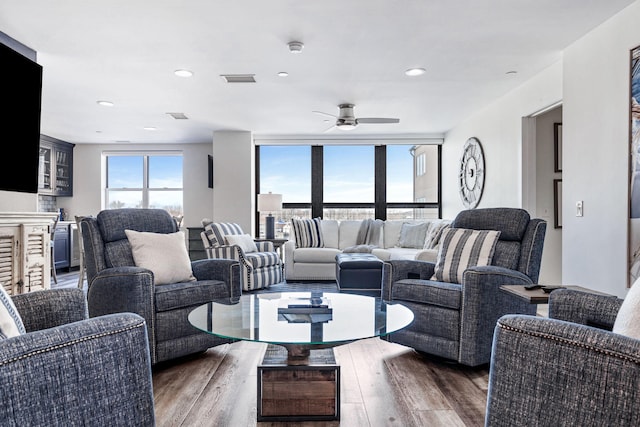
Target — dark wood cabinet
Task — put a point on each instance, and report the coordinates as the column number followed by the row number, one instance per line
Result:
column 56, row 167
column 196, row 247
column 61, row 246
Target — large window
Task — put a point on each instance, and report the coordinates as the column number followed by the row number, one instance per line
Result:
column 144, row 180
column 350, row 181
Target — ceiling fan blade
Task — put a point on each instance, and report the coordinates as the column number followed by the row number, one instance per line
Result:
column 329, row 129
column 325, row 114
column 378, row 120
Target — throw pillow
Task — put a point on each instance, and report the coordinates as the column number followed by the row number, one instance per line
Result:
column 460, row 249
column 434, row 233
column 413, row 235
column 307, row 233
column 164, row 254
column 245, row 242
column 628, row 318
column 217, row 231
column 10, row 321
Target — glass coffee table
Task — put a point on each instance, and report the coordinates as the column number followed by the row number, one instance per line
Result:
column 299, row 378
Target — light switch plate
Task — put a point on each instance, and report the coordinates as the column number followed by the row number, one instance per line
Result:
column 579, row 210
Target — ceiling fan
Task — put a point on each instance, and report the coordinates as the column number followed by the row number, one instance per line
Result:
column 346, row 119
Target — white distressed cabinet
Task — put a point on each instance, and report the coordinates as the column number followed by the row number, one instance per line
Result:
column 25, row 251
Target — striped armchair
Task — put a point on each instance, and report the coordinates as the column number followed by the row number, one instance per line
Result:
column 260, row 267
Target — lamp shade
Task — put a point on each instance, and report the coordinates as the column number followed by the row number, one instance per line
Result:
column 269, row 202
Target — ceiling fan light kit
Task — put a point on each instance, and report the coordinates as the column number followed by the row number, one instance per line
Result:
column 346, row 119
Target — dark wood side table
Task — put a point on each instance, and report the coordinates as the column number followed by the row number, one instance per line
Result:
column 538, row 296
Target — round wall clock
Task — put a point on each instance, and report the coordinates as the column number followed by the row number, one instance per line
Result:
column 471, row 173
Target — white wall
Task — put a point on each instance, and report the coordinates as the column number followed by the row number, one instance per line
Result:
column 88, row 186
column 499, row 129
column 13, row 201
column 596, row 153
column 234, row 179
column 551, row 268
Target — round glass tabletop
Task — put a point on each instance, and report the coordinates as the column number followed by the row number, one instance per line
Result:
column 312, row 319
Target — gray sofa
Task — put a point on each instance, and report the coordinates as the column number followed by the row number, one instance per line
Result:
column 456, row 320
column 565, row 370
column 116, row 284
column 320, row 263
column 71, row 370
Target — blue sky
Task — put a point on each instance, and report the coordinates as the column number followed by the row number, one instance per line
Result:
column 348, row 173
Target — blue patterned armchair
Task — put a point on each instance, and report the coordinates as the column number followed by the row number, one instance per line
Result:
column 455, row 321
column 565, row 370
column 116, row 284
column 68, row 369
column 260, row 266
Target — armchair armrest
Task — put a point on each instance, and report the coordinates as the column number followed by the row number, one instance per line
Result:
column 585, row 308
column 50, row 308
column 560, row 373
column 92, row 371
column 227, row 270
column 392, row 271
column 483, row 303
column 123, row 289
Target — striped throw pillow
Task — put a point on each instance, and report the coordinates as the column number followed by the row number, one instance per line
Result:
column 216, row 231
column 460, row 249
column 308, row 233
column 10, row 321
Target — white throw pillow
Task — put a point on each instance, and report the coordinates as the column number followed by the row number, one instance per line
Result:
column 460, row 249
column 10, row 321
column 628, row 318
column 164, row 254
column 245, row 241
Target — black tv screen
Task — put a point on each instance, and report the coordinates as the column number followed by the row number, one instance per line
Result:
column 20, row 95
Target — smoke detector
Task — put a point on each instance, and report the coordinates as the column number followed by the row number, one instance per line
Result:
column 295, row 47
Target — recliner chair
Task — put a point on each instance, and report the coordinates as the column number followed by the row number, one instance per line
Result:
column 456, row 320
column 115, row 284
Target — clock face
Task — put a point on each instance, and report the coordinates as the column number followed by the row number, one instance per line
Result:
column 471, row 173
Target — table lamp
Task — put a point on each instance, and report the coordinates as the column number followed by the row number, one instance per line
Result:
column 270, row 203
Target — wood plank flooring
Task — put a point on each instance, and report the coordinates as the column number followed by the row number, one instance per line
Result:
column 382, row 384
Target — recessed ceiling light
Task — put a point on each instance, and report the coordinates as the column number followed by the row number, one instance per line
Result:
column 295, row 47
column 149, row 128
column 183, row 73
column 105, row 103
column 283, row 74
column 412, row 72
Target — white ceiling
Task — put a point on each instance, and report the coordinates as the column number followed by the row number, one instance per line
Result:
column 356, row 51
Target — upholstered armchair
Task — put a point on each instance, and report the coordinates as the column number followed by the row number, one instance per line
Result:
column 454, row 319
column 260, row 264
column 565, row 370
column 67, row 369
column 119, row 283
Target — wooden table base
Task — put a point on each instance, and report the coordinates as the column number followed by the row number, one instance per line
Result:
column 309, row 392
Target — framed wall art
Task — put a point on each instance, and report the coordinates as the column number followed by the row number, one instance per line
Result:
column 557, row 203
column 557, row 147
column 634, row 167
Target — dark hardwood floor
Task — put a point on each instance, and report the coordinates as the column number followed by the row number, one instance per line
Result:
column 382, row 384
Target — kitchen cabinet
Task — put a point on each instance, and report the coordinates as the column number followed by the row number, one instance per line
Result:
column 56, row 167
column 61, row 247
column 25, row 254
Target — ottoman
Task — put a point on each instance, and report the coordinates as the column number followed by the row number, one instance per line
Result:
column 359, row 273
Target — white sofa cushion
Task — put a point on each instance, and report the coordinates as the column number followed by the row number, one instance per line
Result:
column 316, row 255
column 330, row 229
column 413, row 235
column 348, row 233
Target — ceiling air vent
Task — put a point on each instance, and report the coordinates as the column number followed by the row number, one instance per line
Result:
column 178, row 116
column 238, row 78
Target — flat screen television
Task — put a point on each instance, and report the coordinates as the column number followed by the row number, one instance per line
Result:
column 20, row 103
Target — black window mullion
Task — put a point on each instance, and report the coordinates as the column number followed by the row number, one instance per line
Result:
column 380, row 186
column 317, row 181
